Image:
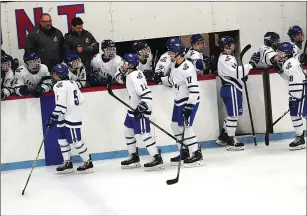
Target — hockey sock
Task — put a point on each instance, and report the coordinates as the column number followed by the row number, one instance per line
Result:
column 224, row 125
column 82, row 150
column 130, row 140
column 150, row 144
column 65, row 149
column 190, row 140
column 177, row 131
column 231, row 125
column 298, row 125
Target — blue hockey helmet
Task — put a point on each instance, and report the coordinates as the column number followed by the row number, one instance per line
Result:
column 132, row 59
column 176, row 46
column 197, row 42
column 73, row 60
column 226, row 42
column 171, row 40
column 32, row 61
column 141, row 48
column 295, row 31
column 109, row 49
column 61, row 70
column 286, row 48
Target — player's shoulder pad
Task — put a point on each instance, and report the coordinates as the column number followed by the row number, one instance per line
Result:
column 58, row 85
column 44, row 68
column 118, row 59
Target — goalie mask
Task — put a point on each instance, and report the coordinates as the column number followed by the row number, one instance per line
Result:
column 73, row 61
column 142, row 49
column 109, row 49
column 32, row 61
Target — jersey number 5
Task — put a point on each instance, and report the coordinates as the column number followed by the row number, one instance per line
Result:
column 76, row 99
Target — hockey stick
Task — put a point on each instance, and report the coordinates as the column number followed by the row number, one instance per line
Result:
column 127, row 105
column 34, row 163
column 246, row 92
column 175, row 180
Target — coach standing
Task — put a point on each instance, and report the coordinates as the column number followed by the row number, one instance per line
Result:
column 46, row 41
column 82, row 41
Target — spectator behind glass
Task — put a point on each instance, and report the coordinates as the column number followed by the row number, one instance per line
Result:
column 46, row 41
column 82, row 41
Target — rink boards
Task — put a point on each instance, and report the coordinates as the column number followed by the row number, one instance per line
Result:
column 23, row 121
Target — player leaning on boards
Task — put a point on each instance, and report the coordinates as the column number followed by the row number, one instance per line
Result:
column 67, row 116
column 232, row 78
column 7, row 77
column 183, row 78
column 293, row 73
column 140, row 97
column 32, row 77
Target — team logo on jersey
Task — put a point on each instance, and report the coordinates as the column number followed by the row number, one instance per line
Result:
column 140, row 76
column 163, row 59
column 55, row 39
column 59, row 85
column 185, row 66
column 87, row 40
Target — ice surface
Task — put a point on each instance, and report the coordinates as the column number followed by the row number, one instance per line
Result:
column 259, row 180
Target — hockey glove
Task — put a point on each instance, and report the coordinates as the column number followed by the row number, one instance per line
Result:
column 109, row 79
column 244, row 79
column 23, row 90
column 38, row 92
column 157, row 77
column 52, row 120
column 186, row 112
column 139, row 111
column 255, row 59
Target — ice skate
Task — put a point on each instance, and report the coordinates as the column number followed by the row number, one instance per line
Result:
column 298, row 143
column 195, row 160
column 132, row 162
column 233, row 144
column 222, row 139
column 66, row 167
column 86, row 167
column 155, row 164
column 185, row 155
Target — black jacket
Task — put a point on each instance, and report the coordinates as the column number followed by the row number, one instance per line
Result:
column 48, row 44
column 86, row 40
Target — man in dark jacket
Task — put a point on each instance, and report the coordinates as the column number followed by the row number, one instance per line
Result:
column 46, row 41
column 82, row 41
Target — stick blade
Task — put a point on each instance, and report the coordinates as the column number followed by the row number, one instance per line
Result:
column 172, row 181
column 245, row 49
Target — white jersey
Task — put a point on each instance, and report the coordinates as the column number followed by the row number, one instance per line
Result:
column 297, row 51
column 229, row 71
column 193, row 55
column 105, row 68
column 7, row 83
column 24, row 77
column 138, row 91
column 148, row 65
column 295, row 77
column 266, row 53
column 79, row 76
column 164, row 64
column 184, row 81
column 68, row 101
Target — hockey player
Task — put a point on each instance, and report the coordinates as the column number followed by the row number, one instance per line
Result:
column 104, row 66
column 195, row 54
column 76, row 68
column 32, row 77
column 184, row 81
column 7, row 77
column 268, row 54
column 140, row 98
column 164, row 65
column 296, row 35
column 145, row 58
column 67, row 116
column 297, row 81
column 232, row 78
